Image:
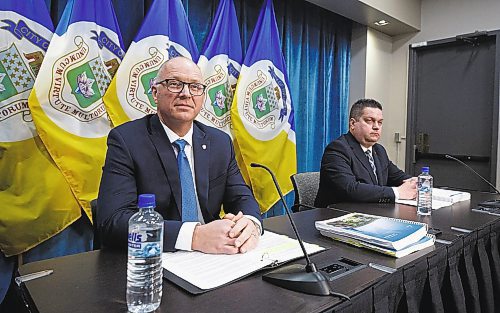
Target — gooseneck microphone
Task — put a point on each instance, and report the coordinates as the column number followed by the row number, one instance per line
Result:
column 296, row 277
column 488, row 203
column 473, row 171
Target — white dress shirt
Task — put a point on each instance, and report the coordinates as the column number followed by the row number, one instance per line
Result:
column 185, row 237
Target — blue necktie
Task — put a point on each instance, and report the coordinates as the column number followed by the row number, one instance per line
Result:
column 189, row 209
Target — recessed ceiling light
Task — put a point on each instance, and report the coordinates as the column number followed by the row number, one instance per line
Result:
column 381, row 23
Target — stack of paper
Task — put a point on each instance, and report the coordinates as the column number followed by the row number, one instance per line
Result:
column 441, row 198
column 394, row 237
column 451, row 196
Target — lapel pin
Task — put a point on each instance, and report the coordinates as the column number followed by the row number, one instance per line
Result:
column 204, row 147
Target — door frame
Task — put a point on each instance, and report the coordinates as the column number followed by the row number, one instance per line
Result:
column 411, row 139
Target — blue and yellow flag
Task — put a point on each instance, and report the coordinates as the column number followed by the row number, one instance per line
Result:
column 36, row 200
column 220, row 63
column 165, row 33
column 66, row 100
column 262, row 112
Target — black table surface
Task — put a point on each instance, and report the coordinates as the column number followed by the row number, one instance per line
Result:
column 458, row 215
column 96, row 281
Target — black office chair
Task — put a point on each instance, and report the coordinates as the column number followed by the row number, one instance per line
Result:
column 305, row 186
column 97, row 239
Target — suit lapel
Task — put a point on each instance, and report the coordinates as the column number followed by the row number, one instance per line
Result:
column 382, row 175
column 167, row 157
column 361, row 156
column 201, row 152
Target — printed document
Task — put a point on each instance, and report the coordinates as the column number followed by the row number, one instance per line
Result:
column 208, row 271
column 441, row 198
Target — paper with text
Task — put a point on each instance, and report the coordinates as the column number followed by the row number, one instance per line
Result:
column 207, row 271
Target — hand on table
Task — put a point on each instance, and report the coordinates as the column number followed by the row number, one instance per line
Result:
column 213, row 238
column 408, row 189
column 244, row 232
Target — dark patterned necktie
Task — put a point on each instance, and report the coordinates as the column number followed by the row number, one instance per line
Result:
column 189, row 209
column 372, row 163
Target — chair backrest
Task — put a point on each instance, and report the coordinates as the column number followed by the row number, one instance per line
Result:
column 306, row 187
column 97, row 239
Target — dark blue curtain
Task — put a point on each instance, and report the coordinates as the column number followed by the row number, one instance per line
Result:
column 316, row 47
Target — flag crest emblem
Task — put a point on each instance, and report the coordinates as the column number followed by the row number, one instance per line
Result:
column 15, row 76
column 221, row 85
column 147, row 81
column 88, row 82
column 266, row 101
column 77, row 88
column 218, row 96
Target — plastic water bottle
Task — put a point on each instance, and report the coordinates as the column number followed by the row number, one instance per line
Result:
column 424, row 197
column 145, row 245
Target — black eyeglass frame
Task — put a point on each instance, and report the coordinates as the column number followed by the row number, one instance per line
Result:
column 167, row 80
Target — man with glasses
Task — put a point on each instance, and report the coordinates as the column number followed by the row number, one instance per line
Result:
column 189, row 166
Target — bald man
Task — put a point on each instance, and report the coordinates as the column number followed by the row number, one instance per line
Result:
column 142, row 157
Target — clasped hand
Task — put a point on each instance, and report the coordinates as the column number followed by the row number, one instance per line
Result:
column 230, row 235
column 408, row 190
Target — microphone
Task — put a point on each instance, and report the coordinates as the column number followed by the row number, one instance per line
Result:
column 296, row 277
column 487, row 203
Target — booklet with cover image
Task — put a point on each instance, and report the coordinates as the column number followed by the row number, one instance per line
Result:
column 386, row 232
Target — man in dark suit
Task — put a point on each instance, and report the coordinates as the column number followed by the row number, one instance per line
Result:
column 142, row 158
column 355, row 168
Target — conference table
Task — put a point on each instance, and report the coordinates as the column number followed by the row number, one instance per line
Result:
column 460, row 273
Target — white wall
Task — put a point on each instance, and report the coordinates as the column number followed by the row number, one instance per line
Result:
column 371, row 77
column 378, row 69
column 357, row 74
column 440, row 19
column 448, row 18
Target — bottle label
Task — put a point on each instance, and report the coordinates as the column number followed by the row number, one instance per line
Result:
column 139, row 246
column 135, row 239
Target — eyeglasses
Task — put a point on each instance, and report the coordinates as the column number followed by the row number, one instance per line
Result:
column 176, row 86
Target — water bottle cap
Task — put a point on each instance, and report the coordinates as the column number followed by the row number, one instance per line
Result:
column 146, row 200
column 425, row 169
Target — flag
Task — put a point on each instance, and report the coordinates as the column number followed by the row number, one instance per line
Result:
column 220, row 64
column 164, row 34
column 36, row 200
column 262, row 112
column 66, row 100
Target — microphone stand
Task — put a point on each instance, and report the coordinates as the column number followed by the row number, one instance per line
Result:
column 298, row 205
column 488, row 203
column 296, row 277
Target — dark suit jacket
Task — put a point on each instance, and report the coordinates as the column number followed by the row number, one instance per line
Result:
column 140, row 159
column 346, row 174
